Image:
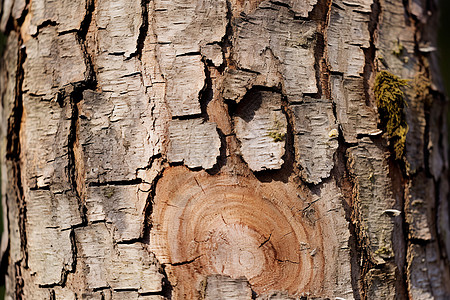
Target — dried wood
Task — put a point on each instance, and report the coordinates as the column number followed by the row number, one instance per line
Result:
column 204, row 225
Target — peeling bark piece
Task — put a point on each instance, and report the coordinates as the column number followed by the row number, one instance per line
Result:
column 353, row 114
column 419, row 287
column 438, row 272
column 437, row 158
column 122, row 206
column 184, row 81
column 62, row 209
column 373, row 194
column 419, row 203
column 118, row 24
column 225, row 287
column 276, row 296
column 64, row 293
column 132, row 267
column 8, row 72
column 49, row 253
column 261, row 127
column 115, row 132
column 236, row 83
column 187, row 25
column 57, row 60
column 182, row 29
column 94, row 247
column 315, row 138
column 396, row 42
column 9, row 201
column 194, row 142
column 15, row 244
column 45, row 136
column 130, row 295
column 381, row 284
column 121, row 266
column 443, row 217
column 348, row 33
column 67, row 14
column 49, row 244
column 415, row 118
column 213, row 52
column 6, row 7
column 300, row 8
column 10, row 8
column 285, row 46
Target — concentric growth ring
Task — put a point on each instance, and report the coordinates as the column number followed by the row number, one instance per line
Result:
column 235, row 226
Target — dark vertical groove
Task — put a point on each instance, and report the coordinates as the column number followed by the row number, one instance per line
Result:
column 13, row 156
column 206, row 93
column 19, row 283
column 226, row 42
column 143, row 30
column 321, row 15
column 90, row 82
column 369, row 53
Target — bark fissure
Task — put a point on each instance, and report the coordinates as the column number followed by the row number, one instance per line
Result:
column 13, row 155
column 143, row 30
column 117, row 182
column 226, row 42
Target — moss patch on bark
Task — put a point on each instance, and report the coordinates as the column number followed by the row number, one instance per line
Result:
column 391, row 102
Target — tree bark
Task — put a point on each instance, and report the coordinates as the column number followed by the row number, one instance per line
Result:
column 223, row 149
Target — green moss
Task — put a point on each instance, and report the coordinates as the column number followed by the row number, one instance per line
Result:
column 398, row 48
column 109, row 191
column 384, row 252
column 276, row 136
column 277, row 132
column 390, row 102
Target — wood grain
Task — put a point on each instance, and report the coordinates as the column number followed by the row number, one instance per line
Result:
column 236, row 226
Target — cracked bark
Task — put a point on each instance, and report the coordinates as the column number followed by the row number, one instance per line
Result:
column 220, row 150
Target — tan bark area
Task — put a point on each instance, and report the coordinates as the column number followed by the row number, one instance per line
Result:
column 220, row 150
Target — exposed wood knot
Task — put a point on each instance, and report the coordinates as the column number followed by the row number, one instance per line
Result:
column 234, row 226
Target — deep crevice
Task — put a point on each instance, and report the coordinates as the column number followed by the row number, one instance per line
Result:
column 369, row 53
column 143, row 30
column 222, row 158
column 13, row 155
column 117, row 182
column 46, row 23
column 167, row 287
column 206, row 93
column 185, row 262
column 225, row 42
column 148, row 209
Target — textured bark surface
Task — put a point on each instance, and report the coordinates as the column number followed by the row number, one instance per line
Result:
column 221, row 150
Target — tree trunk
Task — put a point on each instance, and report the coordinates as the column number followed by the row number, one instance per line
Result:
column 223, row 149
